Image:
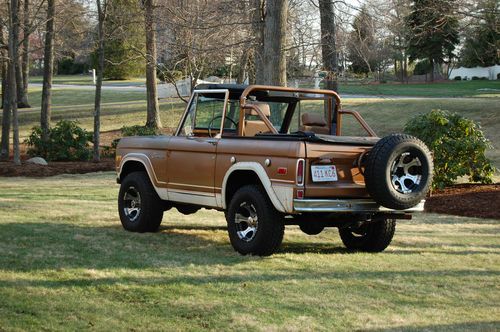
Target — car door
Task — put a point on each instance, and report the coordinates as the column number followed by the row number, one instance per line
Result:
column 191, row 152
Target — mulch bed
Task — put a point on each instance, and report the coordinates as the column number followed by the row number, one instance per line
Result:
column 469, row 200
column 56, row 168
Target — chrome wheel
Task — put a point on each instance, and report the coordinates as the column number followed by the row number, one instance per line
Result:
column 132, row 204
column 406, row 173
column 246, row 221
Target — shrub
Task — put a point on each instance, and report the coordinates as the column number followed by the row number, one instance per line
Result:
column 458, row 146
column 457, row 78
column 68, row 66
column 133, row 131
column 66, row 142
column 498, row 76
column 422, row 67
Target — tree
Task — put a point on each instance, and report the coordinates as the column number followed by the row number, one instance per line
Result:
column 258, row 16
column 6, row 111
column 48, row 69
column 328, row 43
column 13, row 51
column 432, row 31
column 362, row 43
column 23, row 93
column 274, row 42
column 124, row 47
column 102, row 11
column 153, row 109
column 482, row 40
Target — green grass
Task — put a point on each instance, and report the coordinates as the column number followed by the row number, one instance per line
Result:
column 441, row 89
column 67, row 264
column 77, row 97
column 86, row 80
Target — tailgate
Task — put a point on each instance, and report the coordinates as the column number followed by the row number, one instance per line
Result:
column 331, row 171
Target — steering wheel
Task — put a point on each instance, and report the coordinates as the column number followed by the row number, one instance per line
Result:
column 217, row 117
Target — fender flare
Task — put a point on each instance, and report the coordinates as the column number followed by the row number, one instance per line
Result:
column 144, row 160
column 261, row 174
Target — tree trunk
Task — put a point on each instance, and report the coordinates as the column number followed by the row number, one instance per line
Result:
column 98, row 86
column 431, row 61
column 11, row 86
column 26, row 55
column 48, row 68
column 6, row 112
column 245, row 55
column 274, row 42
column 328, row 45
column 153, row 109
column 258, row 31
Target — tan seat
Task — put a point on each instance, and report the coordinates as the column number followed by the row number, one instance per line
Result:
column 254, row 127
column 314, row 122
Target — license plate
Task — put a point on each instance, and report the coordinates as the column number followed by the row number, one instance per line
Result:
column 324, row 173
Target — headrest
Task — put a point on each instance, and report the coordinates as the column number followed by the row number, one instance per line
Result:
column 313, row 119
column 263, row 107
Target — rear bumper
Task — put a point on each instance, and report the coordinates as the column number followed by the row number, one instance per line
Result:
column 347, row 205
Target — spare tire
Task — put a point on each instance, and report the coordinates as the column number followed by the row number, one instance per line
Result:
column 398, row 171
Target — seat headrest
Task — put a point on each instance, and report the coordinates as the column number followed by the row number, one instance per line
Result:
column 313, row 119
column 263, row 107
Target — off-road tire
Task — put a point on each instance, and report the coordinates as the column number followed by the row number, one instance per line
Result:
column 370, row 237
column 151, row 206
column 270, row 229
column 378, row 171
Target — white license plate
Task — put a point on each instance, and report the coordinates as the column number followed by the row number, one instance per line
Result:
column 324, row 173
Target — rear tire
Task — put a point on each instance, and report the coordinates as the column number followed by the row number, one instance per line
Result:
column 140, row 208
column 369, row 237
column 254, row 226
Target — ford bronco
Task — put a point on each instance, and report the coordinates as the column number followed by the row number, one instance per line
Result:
column 272, row 156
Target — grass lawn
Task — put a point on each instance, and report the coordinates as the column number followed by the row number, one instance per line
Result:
column 440, row 89
column 67, row 264
column 86, row 80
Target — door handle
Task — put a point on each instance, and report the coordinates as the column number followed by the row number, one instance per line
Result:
column 212, row 141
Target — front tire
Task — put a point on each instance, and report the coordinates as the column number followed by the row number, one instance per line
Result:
column 140, row 208
column 369, row 237
column 253, row 224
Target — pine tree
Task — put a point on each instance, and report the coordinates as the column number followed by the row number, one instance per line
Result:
column 482, row 43
column 432, row 31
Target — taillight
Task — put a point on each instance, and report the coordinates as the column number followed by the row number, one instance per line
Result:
column 300, row 172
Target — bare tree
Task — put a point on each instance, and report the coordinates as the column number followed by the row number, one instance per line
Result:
column 258, row 16
column 328, row 43
column 102, row 8
column 6, row 112
column 153, row 109
column 23, row 89
column 48, row 64
column 274, row 42
column 13, row 52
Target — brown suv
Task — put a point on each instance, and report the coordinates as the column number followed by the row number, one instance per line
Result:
column 269, row 157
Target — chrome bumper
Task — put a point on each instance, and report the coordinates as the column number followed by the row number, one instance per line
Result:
column 347, row 205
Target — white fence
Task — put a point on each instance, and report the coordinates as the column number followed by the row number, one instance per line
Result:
column 490, row 73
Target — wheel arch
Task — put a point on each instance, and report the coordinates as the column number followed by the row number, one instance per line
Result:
column 133, row 162
column 245, row 173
